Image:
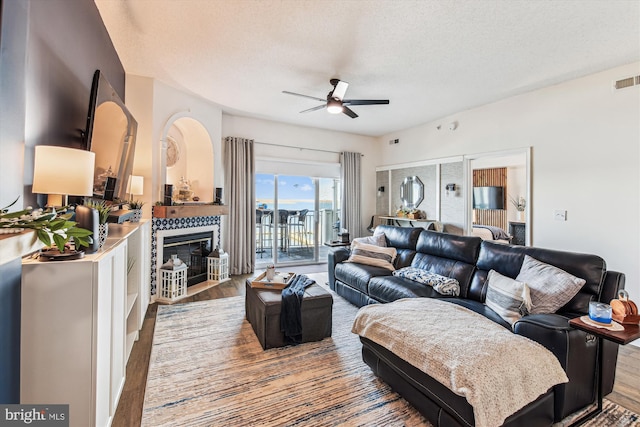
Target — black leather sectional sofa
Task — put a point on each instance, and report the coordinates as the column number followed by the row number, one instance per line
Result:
column 469, row 259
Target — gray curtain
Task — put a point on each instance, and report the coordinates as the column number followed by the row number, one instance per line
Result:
column 350, row 175
column 239, row 226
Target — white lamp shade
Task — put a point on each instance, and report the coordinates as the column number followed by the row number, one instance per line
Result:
column 60, row 170
column 136, row 185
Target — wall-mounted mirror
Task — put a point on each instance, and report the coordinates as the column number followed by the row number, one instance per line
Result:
column 111, row 134
column 411, row 192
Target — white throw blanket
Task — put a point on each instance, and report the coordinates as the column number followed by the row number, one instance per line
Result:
column 497, row 371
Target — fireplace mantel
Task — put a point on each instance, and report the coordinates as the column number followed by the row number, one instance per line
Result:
column 185, row 211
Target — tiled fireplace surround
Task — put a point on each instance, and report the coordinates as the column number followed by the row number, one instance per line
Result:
column 162, row 227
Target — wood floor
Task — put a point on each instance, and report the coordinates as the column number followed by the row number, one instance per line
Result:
column 626, row 391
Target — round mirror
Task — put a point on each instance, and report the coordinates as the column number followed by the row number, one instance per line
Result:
column 411, row 192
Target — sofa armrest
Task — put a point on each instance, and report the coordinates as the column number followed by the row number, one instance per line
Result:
column 576, row 351
column 334, row 258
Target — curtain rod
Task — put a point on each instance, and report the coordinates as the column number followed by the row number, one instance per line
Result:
column 299, row 148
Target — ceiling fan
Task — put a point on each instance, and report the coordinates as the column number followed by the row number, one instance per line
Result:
column 335, row 102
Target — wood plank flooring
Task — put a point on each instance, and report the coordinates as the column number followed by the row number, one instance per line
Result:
column 626, row 391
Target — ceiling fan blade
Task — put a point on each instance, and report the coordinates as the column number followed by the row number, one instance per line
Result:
column 340, row 90
column 349, row 112
column 314, row 108
column 304, row 96
column 365, row 101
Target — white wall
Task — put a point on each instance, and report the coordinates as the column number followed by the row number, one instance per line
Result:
column 296, row 138
column 585, row 158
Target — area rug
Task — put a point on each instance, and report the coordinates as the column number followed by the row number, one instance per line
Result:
column 208, row 369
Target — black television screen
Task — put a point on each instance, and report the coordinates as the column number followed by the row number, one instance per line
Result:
column 488, row 197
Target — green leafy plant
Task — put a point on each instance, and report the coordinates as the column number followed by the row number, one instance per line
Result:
column 135, row 204
column 50, row 226
column 101, row 206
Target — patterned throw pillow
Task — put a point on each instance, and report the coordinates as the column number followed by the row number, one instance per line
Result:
column 363, row 253
column 441, row 284
column 551, row 287
column 507, row 297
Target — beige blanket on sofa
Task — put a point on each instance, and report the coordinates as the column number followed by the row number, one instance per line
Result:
column 497, row 371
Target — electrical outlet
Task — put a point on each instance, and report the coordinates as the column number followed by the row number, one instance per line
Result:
column 560, row 215
column 393, row 141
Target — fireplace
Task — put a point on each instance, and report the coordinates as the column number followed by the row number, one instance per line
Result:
column 192, row 249
column 190, row 244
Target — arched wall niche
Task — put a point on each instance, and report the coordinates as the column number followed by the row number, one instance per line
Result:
column 187, row 151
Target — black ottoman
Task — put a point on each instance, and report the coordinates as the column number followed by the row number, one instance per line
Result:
column 262, row 308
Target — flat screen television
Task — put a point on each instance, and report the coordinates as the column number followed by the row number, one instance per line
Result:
column 488, row 197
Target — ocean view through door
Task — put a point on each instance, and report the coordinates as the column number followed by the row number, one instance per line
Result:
column 294, row 216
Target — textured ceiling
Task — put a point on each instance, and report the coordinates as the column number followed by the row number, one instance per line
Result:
column 429, row 58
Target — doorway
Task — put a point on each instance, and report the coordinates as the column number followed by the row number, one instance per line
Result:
column 294, row 216
column 510, row 172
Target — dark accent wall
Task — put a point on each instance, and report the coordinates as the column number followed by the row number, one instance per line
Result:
column 49, row 51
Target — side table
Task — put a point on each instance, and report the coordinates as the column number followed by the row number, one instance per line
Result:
column 630, row 333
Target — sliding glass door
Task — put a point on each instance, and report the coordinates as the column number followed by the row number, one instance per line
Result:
column 294, row 216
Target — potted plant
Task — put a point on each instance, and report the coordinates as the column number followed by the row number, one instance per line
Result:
column 51, row 227
column 136, row 206
column 103, row 214
column 520, row 204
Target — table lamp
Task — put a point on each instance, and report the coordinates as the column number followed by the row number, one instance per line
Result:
column 136, row 185
column 60, row 172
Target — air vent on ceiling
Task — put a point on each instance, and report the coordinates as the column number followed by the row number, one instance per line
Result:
column 628, row 82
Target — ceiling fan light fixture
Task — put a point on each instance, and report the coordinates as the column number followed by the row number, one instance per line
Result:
column 334, row 106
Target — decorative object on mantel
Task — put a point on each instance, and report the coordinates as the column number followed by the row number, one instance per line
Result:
column 50, row 227
column 173, row 279
column 218, row 199
column 184, row 192
column 168, row 194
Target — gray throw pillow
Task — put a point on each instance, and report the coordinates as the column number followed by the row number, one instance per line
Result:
column 509, row 298
column 551, row 287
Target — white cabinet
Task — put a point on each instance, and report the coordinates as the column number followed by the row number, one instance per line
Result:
column 79, row 320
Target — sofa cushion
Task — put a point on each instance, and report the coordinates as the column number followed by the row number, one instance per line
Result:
column 400, row 237
column 391, row 288
column 376, row 256
column 507, row 297
column 358, row 275
column 451, row 246
column 461, row 271
column 551, row 287
column 441, row 284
